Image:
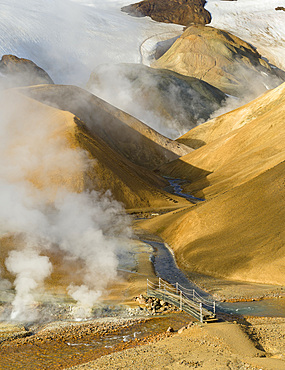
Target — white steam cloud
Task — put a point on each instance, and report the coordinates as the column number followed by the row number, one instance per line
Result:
column 115, row 88
column 69, row 38
column 45, row 207
column 30, row 269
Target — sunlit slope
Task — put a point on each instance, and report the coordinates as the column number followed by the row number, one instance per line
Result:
column 95, row 165
column 126, row 135
column 240, row 145
column 226, row 123
column 238, row 235
column 221, row 59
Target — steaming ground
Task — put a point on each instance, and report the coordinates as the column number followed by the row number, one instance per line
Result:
column 68, row 39
column 45, row 209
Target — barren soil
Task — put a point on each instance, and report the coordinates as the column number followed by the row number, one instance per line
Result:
column 210, row 346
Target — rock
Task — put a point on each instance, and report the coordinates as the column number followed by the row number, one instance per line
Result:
column 22, row 72
column 170, row 330
column 221, row 59
column 141, row 299
column 182, row 12
column 190, row 325
column 181, row 330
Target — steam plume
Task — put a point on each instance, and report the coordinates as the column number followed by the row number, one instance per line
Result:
column 46, row 207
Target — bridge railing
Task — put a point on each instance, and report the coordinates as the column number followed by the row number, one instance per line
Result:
column 188, row 300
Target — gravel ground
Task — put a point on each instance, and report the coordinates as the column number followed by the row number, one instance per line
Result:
column 210, row 346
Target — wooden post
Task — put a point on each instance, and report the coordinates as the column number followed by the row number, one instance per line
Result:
column 193, row 295
column 201, row 313
column 214, row 307
column 159, row 284
column 181, row 298
column 176, row 288
column 146, row 286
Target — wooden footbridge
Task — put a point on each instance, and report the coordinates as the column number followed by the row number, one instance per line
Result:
column 187, row 300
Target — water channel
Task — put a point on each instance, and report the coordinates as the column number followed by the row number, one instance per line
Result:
column 167, row 269
column 175, row 185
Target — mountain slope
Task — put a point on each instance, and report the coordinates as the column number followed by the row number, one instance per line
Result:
column 21, row 72
column 221, row 59
column 257, row 22
column 123, row 133
column 64, row 153
column 240, row 145
column 170, row 102
column 214, row 129
column 238, row 235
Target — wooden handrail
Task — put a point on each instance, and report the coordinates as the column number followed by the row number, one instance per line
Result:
column 174, row 295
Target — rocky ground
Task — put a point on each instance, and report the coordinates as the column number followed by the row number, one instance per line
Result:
column 137, row 336
column 249, row 344
column 62, row 344
column 133, row 340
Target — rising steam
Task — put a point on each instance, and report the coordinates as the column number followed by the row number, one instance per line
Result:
column 47, row 209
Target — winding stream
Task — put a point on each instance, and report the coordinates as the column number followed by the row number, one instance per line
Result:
column 177, row 190
column 166, row 268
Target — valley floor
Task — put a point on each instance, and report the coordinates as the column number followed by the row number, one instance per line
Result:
column 238, row 343
column 221, row 345
column 132, row 340
column 235, row 342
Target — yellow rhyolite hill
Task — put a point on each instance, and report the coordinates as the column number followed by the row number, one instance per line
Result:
column 63, row 153
column 221, row 59
column 238, row 233
column 240, row 145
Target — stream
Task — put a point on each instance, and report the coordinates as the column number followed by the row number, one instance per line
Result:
column 175, row 184
column 166, row 268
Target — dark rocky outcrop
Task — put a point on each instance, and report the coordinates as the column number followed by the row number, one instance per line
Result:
column 181, row 100
column 182, row 12
column 21, row 72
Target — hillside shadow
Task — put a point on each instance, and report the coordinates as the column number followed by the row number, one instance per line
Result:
column 193, row 179
column 122, row 132
column 195, row 143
